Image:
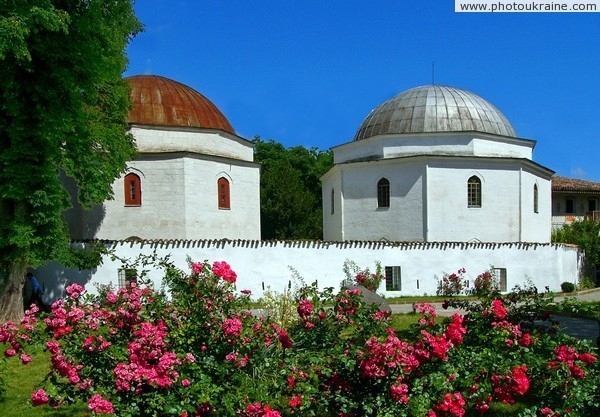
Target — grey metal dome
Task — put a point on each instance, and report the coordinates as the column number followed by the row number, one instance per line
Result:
column 435, row 108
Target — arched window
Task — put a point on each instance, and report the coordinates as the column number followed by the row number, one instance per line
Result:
column 383, row 193
column 535, row 198
column 133, row 190
column 474, row 192
column 223, row 193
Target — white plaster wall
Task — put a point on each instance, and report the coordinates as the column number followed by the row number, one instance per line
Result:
column 363, row 220
column 209, row 142
column 269, row 264
column 179, row 201
column 204, row 219
column 332, row 222
column 536, row 227
column 449, row 218
column 473, row 144
column 485, row 146
column 162, row 213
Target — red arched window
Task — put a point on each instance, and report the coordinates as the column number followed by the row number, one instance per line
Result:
column 133, row 190
column 223, row 193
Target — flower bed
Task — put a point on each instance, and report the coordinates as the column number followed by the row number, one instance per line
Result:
column 200, row 352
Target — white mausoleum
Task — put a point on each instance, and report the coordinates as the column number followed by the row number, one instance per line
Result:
column 193, row 177
column 437, row 163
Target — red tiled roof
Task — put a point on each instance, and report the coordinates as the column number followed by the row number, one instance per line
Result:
column 574, row 185
column 161, row 101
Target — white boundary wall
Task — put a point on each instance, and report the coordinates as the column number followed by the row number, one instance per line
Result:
column 269, row 263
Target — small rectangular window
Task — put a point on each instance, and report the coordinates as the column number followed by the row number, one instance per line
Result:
column 332, row 201
column 569, row 206
column 127, row 275
column 393, row 276
column 500, row 278
column 592, row 205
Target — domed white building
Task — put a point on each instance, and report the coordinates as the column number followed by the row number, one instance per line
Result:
column 437, row 163
column 193, row 177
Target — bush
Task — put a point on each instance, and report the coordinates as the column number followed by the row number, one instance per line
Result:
column 199, row 352
column 485, row 284
column 567, row 287
column 279, row 307
column 355, row 276
column 587, row 283
column 452, row 284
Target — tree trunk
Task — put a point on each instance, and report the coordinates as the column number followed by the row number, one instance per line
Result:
column 12, row 299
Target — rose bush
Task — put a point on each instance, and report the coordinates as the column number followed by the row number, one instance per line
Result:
column 200, row 352
column 452, row 284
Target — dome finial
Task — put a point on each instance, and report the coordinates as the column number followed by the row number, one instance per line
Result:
column 432, row 72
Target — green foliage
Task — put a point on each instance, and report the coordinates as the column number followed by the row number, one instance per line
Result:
column 363, row 277
column 567, row 287
column 586, row 235
column 572, row 305
column 290, row 190
column 199, row 351
column 453, row 284
column 586, row 283
column 279, row 307
column 63, row 109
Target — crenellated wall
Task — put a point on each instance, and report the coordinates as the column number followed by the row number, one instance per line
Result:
column 262, row 264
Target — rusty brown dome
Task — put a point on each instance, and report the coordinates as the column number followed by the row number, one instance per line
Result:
column 160, row 101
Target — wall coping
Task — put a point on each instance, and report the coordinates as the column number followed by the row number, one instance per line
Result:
column 320, row 244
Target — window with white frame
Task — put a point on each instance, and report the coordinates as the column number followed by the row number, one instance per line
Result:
column 393, row 275
column 474, row 192
column 500, row 278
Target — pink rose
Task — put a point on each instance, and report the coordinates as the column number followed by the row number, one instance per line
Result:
column 223, row 270
column 39, row 397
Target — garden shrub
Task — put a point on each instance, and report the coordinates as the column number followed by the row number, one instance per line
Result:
column 587, row 283
column 199, row 352
column 567, row 287
column 355, row 276
column 279, row 307
column 452, row 284
column 485, row 284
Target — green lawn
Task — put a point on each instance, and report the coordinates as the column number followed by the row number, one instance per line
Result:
column 22, row 380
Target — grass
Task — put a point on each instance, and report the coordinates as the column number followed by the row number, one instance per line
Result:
column 21, row 380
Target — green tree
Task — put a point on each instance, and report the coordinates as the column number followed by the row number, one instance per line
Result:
column 586, row 235
column 290, row 190
column 63, row 110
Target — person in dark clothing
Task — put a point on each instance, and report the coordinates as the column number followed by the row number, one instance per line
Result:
column 36, row 291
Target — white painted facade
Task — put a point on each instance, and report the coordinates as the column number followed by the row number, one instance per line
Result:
column 179, row 169
column 428, row 176
column 261, row 265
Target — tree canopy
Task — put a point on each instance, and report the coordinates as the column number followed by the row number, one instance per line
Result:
column 290, row 190
column 586, row 235
column 63, row 110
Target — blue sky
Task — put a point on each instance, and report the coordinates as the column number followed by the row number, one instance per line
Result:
column 308, row 72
